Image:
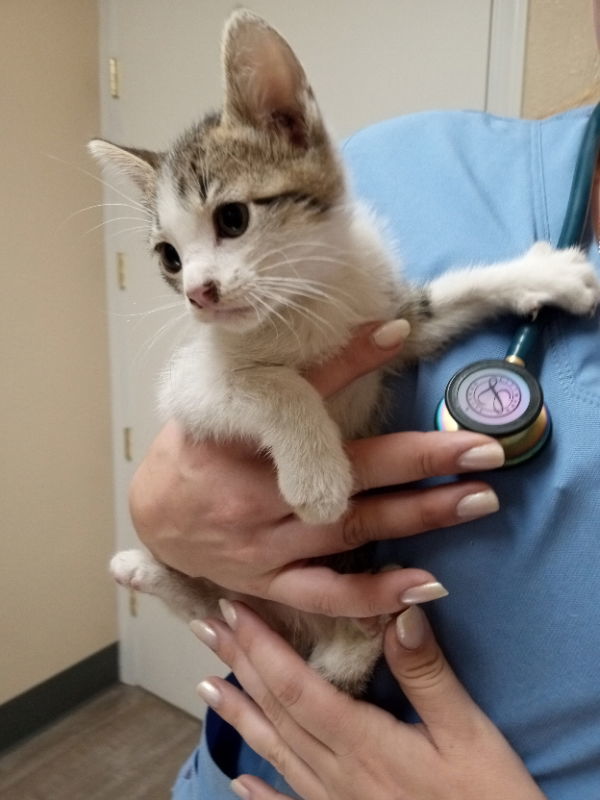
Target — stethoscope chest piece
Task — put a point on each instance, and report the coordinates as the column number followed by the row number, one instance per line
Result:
column 501, row 399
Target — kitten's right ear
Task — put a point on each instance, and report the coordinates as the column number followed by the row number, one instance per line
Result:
column 139, row 165
column 265, row 84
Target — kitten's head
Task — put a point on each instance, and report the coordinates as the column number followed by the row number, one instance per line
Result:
column 244, row 203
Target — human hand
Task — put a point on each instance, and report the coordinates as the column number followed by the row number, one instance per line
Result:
column 212, row 510
column 329, row 746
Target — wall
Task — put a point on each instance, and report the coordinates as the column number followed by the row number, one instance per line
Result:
column 561, row 61
column 55, row 476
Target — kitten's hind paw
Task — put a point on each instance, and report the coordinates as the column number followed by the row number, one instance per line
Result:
column 137, row 570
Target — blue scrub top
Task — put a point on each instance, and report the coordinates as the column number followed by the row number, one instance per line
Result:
column 520, row 625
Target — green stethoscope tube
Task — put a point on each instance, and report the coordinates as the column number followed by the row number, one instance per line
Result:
column 574, row 228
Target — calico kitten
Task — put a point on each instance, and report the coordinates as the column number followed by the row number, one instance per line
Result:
column 255, row 226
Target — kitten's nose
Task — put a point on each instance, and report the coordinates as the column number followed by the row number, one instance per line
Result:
column 205, row 295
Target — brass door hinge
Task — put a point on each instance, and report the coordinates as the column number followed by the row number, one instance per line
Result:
column 133, row 603
column 127, row 444
column 114, row 78
column 121, row 273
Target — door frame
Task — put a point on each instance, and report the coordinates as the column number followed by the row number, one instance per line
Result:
column 507, row 50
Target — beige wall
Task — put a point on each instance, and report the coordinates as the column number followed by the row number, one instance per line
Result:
column 561, row 60
column 56, row 522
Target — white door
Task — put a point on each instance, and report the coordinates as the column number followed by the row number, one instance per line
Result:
column 367, row 61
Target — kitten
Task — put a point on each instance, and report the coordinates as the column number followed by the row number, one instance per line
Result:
column 255, row 227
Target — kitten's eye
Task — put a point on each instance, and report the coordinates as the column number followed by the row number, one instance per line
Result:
column 169, row 257
column 231, row 219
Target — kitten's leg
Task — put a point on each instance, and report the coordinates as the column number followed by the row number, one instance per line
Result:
column 291, row 421
column 462, row 299
column 190, row 598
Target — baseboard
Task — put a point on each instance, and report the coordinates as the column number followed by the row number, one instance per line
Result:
column 44, row 703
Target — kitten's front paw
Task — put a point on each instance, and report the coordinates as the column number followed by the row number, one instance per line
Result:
column 137, row 570
column 563, row 278
column 321, row 494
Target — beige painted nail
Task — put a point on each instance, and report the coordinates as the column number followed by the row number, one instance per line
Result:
column 478, row 505
column 239, row 789
column 229, row 614
column 391, row 334
column 204, row 632
column 209, row 693
column 410, row 628
column 485, row 456
column 424, row 593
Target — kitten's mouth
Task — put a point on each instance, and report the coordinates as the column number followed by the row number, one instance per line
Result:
column 222, row 313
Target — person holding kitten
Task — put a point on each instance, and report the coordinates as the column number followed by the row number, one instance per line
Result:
column 517, row 715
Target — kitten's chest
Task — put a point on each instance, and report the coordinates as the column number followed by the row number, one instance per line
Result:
column 207, row 392
column 355, row 408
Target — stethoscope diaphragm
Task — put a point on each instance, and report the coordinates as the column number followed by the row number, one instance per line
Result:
column 498, row 398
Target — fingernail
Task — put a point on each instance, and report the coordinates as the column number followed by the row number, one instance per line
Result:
column 229, row 614
column 209, row 693
column 410, row 628
column 390, row 334
column 239, row 789
column 424, row 593
column 204, row 632
column 478, row 505
column 485, row 456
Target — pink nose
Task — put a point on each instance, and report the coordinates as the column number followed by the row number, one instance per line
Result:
column 205, row 295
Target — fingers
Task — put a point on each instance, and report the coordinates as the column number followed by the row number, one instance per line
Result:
column 427, row 679
column 400, row 514
column 261, row 719
column 399, row 458
column 320, row 590
column 373, row 346
column 255, row 728
column 376, row 517
column 287, row 688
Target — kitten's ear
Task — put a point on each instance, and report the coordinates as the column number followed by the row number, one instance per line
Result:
column 265, row 85
column 138, row 165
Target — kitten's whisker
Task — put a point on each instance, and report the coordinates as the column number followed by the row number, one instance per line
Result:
column 308, row 258
column 257, row 299
column 140, row 206
column 287, row 323
column 304, row 290
column 306, row 283
column 135, row 229
column 156, row 336
column 103, row 205
column 343, row 308
column 142, row 314
column 108, row 221
column 273, row 311
column 302, row 311
column 309, row 243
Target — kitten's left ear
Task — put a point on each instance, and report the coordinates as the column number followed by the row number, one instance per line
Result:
column 138, row 165
column 265, row 85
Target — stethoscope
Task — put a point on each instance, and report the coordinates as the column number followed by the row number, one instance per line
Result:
column 501, row 397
